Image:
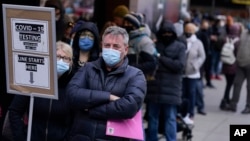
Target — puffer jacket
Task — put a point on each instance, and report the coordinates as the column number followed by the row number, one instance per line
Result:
column 166, row 88
column 89, row 91
column 142, row 52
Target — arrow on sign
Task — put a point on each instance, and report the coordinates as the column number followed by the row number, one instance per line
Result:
column 31, row 78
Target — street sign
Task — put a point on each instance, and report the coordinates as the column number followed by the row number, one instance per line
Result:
column 30, row 50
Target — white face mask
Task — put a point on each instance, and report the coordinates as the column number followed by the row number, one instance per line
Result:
column 222, row 23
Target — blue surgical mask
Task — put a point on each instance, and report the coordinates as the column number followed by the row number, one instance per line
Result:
column 62, row 67
column 111, row 57
column 85, row 44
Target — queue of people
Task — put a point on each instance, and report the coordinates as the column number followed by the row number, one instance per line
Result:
column 111, row 73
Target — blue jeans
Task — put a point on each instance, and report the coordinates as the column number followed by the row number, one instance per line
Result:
column 170, row 127
column 200, row 96
column 216, row 63
column 189, row 90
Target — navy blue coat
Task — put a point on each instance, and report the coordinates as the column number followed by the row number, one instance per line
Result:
column 89, row 91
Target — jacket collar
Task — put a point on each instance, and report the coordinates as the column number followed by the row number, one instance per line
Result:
column 99, row 63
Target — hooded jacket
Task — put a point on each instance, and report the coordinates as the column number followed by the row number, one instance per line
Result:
column 166, row 88
column 95, row 50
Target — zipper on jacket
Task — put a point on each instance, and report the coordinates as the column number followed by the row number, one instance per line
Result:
column 47, row 123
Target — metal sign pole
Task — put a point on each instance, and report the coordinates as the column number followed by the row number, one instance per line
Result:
column 30, row 117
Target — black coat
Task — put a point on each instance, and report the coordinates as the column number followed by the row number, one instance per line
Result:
column 51, row 115
column 204, row 36
column 167, row 86
column 89, row 91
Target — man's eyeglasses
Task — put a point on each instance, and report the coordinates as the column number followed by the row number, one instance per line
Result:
column 64, row 58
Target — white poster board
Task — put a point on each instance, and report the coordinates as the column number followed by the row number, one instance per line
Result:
column 30, row 50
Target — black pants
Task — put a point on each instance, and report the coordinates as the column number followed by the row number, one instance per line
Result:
column 229, row 84
column 207, row 69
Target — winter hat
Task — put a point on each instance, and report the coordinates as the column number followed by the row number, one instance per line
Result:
column 54, row 3
column 120, row 11
column 134, row 19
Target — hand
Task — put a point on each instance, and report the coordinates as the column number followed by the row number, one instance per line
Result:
column 113, row 97
column 213, row 38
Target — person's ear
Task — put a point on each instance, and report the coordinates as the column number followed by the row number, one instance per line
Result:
column 126, row 50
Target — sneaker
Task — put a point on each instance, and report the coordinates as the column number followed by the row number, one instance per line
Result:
column 202, row 112
column 210, row 86
column 212, row 77
column 187, row 120
column 217, row 77
column 246, row 111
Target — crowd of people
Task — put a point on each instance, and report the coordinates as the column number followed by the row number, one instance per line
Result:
column 110, row 73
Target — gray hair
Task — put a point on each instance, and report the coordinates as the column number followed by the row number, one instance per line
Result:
column 115, row 30
column 66, row 48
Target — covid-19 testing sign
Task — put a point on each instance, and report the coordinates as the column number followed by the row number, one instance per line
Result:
column 30, row 50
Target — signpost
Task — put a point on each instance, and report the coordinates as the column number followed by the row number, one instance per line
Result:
column 30, row 53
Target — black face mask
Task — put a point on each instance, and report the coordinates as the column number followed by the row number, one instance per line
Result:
column 204, row 30
column 167, row 39
column 188, row 35
column 128, row 28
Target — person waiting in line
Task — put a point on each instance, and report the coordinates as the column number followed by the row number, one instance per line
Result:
column 242, row 74
column 68, row 28
column 142, row 52
column 107, row 88
column 61, row 23
column 195, row 59
column 51, row 118
column 164, row 93
column 204, row 35
column 119, row 13
column 85, row 45
column 218, row 33
column 233, row 31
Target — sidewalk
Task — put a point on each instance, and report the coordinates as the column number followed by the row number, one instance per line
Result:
column 215, row 125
